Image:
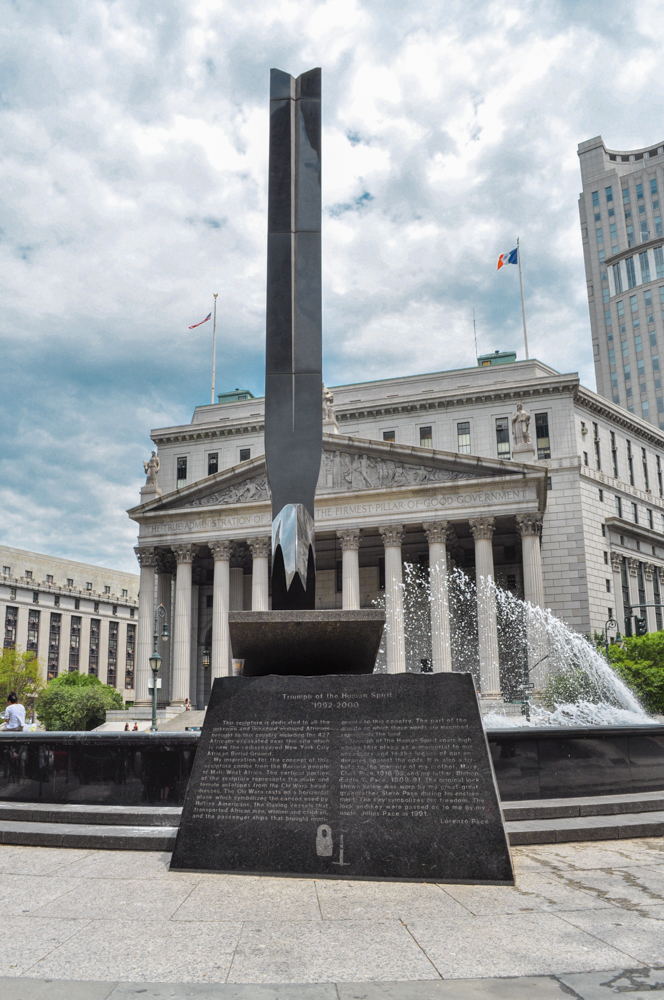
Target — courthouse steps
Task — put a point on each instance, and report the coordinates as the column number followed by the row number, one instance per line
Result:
column 154, row 828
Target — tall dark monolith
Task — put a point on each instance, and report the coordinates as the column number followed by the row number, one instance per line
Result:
column 293, row 376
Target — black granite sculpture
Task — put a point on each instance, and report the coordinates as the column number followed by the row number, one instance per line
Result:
column 293, row 376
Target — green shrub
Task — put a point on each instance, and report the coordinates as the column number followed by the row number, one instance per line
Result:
column 640, row 663
column 20, row 672
column 76, row 701
column 570, row 687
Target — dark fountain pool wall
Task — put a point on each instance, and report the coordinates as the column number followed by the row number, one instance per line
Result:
column 143, row 768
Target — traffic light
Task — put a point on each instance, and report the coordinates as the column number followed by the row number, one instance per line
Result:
column 628, row 628
column 641, row 626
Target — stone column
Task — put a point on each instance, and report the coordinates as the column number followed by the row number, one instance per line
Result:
column 350, row 570
column 260, row 591
column 184, row 555
column 147, row 560
column 438, row 534
column 618, row 610
column 220, row 657
column 236, row 598
column 529, row 527
column 392, row 535
column 487, row 629
column 164, row 590
column 648, row 570
column 633, row 581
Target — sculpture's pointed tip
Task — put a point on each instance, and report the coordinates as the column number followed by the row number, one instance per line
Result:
column 293, row 530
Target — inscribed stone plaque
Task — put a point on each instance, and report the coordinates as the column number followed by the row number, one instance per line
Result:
column 345, row 776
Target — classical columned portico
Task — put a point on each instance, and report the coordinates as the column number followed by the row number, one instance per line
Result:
column 438, row 533
column 220, row 664
column 184, row 555
column 147, row 560
column 260, row 554
column 350, row 569
column 392, row 535
column 482, row 530
column 164, row 596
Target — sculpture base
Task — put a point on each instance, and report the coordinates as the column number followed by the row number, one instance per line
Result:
column 306, row 643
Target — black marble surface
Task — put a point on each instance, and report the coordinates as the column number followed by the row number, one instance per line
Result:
column 383, row 776
column 306, row 643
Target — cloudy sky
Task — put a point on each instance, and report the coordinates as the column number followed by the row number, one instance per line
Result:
column 133, row 165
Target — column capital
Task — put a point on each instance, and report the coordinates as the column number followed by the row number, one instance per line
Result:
column 633, row 566
column 146, row 555
column 349, row 538
column 616, row 562
column 221, row 549
column 392, row 535
column 260, row 546
column 482, row 527
column 439, row 531
column 184, row 553
column 530, row 524
column 648, row 570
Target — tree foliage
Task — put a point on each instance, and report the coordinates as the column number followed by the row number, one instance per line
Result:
column 640, row 663
column 20, row 672
column 76, row 701
column 569, row 688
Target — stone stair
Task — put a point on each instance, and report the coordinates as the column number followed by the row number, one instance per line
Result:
column 154, row 828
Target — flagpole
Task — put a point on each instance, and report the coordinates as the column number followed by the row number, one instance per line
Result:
column 214, row 341
column 523, row 302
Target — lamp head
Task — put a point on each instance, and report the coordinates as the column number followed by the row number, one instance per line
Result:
column 206, row 658
column 155, row 663
column 164, row 630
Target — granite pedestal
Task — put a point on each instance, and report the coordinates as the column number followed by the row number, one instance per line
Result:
column 382, row 776
column 306, row 643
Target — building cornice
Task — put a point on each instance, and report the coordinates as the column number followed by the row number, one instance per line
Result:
column 604, row 480
column 20, row 583
column 604, row 408
column 632, row 252
column 624, row 527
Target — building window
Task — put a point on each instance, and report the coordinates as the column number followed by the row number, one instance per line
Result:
column 653, row 186
column 600, row 235
column 7, row 570
column 659, row 262
column 595, row 196
column 245, row 454
column 381, row 572
column 660, row 483
column 608, row 586
column 614, row 454
column 114, row 609
column 112, row 667
column 603, row 531
column 606, row 558
column 644, row 462
column 542, row 434
column 585, row 458
column 618, row 507
column 339, row 577
column 11, row 623
column 77, row 604
column 635, row 513
column 503, row 437
column 70, row 582
column 463, row 437
column 645, row 267
column 53, row 666
column 601, row 496
column 630, row 462
column 389, row 436
column 631, row 273
column 426, row 437
column 93, row 656
column 124, row 593
column 549, row 483
column 49, row 578
column 33, row 631
column 645, row 406
column 598, row 457
column 131, row 656
column 74, row 644
column 35, row 597
column 56, row 601
column 131, row 613
column 88, row 586
column 617, row 281
column 213, row 463
column 107, row 590
column 650, row 520
column 181, row 476
column 96, row 607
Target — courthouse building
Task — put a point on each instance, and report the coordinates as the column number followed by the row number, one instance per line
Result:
column 426, row 469
column 73, row 616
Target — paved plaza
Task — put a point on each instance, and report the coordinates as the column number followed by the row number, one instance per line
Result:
column 583, row 920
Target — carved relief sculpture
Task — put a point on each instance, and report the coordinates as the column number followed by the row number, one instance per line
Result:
column 151, row 469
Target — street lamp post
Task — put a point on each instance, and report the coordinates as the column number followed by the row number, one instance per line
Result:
column 155, row 659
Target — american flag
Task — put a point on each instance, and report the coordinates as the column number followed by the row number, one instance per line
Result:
column 201, row 322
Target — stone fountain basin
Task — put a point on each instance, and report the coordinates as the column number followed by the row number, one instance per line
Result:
column 306, row 643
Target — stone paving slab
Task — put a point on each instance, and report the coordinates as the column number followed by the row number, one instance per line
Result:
column 109, row 917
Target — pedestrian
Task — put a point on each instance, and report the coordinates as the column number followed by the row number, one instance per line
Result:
column 187, row 705
column 135, row 729
column 14, row 714
column 126, row 729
